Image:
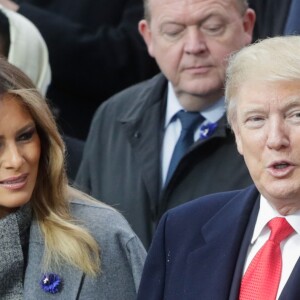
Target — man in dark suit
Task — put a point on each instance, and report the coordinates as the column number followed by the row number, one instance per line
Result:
column 95, row 51
column 210, row 248
column 129, row 159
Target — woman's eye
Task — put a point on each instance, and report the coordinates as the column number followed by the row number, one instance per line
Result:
column 26, row 136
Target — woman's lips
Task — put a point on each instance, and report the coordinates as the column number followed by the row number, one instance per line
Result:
column 14, row 183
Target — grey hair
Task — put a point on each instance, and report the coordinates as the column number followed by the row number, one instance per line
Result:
column 242, row 5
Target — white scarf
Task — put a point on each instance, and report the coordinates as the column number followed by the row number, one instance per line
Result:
column 28, row 50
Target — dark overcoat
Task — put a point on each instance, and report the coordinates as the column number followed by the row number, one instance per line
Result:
column 95, row 50
column 121, row 160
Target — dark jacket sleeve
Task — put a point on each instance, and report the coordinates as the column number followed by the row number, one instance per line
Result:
column 153, row 278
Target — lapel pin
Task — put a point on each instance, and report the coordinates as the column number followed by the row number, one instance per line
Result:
column 207, row 129
column 51, row 283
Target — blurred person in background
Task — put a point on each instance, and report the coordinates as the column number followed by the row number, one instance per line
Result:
column 275, row 17
column 95, row 51
column 23, row 46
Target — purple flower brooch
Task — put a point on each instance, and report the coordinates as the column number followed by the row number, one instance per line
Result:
column 51, row 283
column 207, row 129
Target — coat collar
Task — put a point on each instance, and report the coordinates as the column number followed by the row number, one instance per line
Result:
column 142, row 124
column 291, row 290
column 152, row 93
column 222, row 132
column 71, row 276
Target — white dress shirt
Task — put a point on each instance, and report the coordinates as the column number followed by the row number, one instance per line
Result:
column 290, row 247
column 172, row 128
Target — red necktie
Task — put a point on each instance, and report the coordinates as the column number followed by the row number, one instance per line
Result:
column 262, row 277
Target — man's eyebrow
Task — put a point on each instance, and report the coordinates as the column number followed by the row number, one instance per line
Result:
column 292, row 102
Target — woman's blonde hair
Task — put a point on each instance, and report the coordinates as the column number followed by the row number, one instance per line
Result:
column 64, row 240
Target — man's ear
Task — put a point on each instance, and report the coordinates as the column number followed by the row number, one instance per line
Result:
column 248, row 24
column 145, row 31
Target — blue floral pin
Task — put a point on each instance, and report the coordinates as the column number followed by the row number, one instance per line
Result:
column 51, row 283
column 207, row 129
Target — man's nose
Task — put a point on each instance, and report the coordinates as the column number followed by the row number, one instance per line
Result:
column 278, row 135
column 195, row 41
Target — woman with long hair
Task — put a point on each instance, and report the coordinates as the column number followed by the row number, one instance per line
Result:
column 54, row 240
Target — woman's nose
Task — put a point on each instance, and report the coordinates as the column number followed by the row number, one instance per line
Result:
column 11, row 157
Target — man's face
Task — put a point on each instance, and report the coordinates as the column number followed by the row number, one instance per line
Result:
column 267, row 132
column 191, row 39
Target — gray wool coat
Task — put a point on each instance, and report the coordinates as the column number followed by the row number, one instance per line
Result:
column 122, row 256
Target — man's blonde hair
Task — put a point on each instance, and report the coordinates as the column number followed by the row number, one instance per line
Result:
column 270, row 60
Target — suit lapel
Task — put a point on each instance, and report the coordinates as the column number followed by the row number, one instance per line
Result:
column 291, row 290
column 238, row 274
column 143, row 128
column 217, row 270
column 71, row 276
column 188, row 160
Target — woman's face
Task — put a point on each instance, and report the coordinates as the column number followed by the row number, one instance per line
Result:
column 20, row 152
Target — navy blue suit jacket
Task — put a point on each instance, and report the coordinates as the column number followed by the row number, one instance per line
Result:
column 200, row 247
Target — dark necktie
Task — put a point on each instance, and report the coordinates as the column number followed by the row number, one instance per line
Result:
column 189, row 121
column 292, row 25
column 262, row 277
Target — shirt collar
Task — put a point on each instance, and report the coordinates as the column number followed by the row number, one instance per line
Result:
column 173, row 105
column 266, row 213
column 212, row 113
